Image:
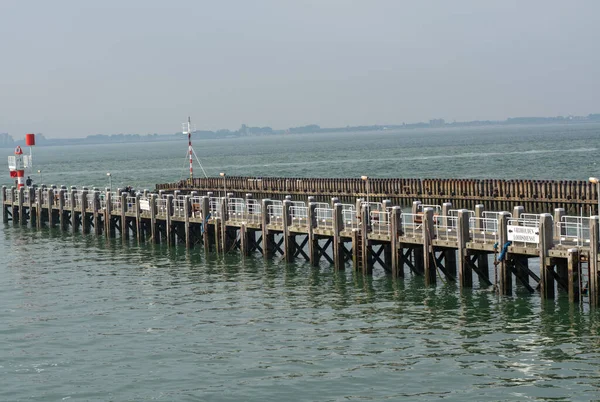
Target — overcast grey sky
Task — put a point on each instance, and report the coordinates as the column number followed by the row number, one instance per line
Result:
column 74, row 68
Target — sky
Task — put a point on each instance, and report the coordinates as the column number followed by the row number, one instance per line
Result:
column 71, row 68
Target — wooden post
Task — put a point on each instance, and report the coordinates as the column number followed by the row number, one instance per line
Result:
column 356, row 249
column 429, row 267
column 155, row 237
column 224, row 246
column 32, row 206
column 186, row 213
column 207, row 239
column 50, row 194
column 21, row 214
column 313, row 241
column 338, row 244
column 96, row 213
column 138, row 219
column 85, row 227
column 62, row 219
column 594, row 289
column 546, row 231
column 4, row 207
column 169, row 222
column 482, row 258
column 74, row 223
column 288, row 238
column 109, row 228
column 574, row 275
column 449, row 253
column 395, row 231
column 267, row 238
column 365, row 229
column 124, row 207
column 504, row 276
column 465, row 272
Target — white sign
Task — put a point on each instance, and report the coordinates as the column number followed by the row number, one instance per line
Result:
column 523, row 234
column 145, row 205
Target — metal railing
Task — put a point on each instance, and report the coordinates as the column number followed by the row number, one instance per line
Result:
column 161, row 207
column 196, row 206
column 236, row 208
column 412, row 224
column 322, row 205
column 9, row 195
column 179, row 207
column 494, row 215
column 275, row 212
column 89, row 202
column 437, row 210
column 350, row 220
column 299, row 215
column 445, row 227
column 380, row 222
column 324, row 218
column 530, row 217
column 483, row 230
column 214, row 206
column 574, row 231
column 253, row 211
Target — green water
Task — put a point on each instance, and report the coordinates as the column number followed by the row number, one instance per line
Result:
column 86, row 318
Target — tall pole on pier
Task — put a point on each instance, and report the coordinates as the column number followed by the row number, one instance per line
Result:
column 597, row 183
column 190, row 151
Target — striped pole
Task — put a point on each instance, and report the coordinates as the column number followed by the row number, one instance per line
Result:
column 19, row 167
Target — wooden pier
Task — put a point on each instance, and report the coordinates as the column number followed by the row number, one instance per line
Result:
column 537, row 196
column 438, row 241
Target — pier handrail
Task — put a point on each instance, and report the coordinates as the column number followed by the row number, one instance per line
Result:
column 275, row 212
column 350, row 220
column 445, row 227
column 574, row 231
column 380, row 222
column 483, row 230
column 236, row 208
column 412, row 224
column 324, row 218
column 179, row 207
column 161, row 207
column 299, row 215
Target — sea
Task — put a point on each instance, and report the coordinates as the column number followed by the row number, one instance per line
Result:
column 86, row 318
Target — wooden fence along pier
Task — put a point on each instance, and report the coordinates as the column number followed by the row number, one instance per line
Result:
column 494, row 247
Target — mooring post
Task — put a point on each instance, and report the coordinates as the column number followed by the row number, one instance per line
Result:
column 418, row 249
column 50, row 195
column 206, row 235
column 523, row 261
column 288, row 238
column 429, row 267
column 22, row 218
column 594, row 289
column 356, row 249
column 574, row 275
column 85, row 227
column 4, row 207
column 465, row 272
column 395, row 231
column 62, row 221
column 504, row 276
column 338, row 244
column 186, row 214
column 124, row 207
column 32, row 206
column 109, row 228
column 13, row 206
column 39, row 208
column 313, row 241
column 546, row 231
column 365, row 230
column 155, row 236
column 169, row 222
column 267, row 238
column 225, row 244
column 244, row 246
column 72, row 198
column 96, row 213
column 482, row 258
column 138, row 219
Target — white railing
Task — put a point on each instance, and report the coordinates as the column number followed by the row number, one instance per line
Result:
column 90, row 201
column 102, row 201
column 298, row 204
column 483, row 230
column 380, row 222
column 494, row 215
column 372, row 206
column 324, row 218
column 275, row 212
column 179, row 207
column 350, row 220
column 161, row 207
column 322, row 205
column 299, row 215
column 574, row 230
column 115, row 202
column 236, row 208
column 445, row 227
column 530, row 217
column 214, row 206
column 26, row 197
column 412, row 224
column 44, row 197
column 9, row 195
column 253, row 211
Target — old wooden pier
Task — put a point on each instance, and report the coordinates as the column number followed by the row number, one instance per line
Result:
column 494, row 247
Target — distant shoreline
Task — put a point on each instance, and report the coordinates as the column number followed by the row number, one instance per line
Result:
column 7, row 141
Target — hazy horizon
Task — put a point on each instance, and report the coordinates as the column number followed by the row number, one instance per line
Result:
column 72, row 69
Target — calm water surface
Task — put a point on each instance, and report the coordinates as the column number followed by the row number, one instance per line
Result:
column 86, row 318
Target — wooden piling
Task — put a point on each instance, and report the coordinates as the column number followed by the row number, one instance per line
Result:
column 313, row 241
column 504, row 283
column 267, row 237
column 169, row 222
column 288, row 237
column 338, row 243
column 395, row 231
column 465, row 272
column 574, row 275
column 429, row 268
column 187, row 213
column 154, row 235
column 546, row 231
column 593, row 288
column 367, row 252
